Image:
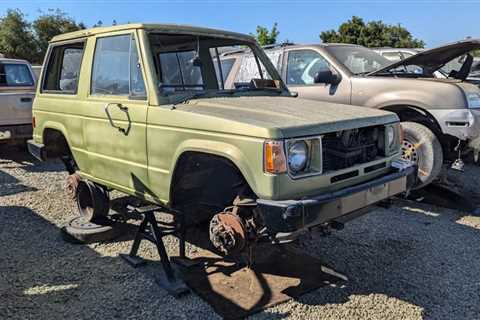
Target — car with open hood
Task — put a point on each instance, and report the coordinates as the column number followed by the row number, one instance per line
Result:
column 17, row 90
column 145, row 109
column 440, row 116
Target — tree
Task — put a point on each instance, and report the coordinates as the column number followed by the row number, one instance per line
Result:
column 16, row 38
column 265, row 37
column 372, row 34
column 50, row 24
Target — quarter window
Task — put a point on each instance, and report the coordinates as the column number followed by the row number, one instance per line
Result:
column 302, row 65
column 116, row 68
column 63, row 68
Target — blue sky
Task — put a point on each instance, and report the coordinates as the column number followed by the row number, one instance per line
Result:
column 301, row 21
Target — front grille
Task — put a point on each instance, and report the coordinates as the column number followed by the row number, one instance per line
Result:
column 348, row 148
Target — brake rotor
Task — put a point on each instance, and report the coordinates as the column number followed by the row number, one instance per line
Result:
column 227, row 233
column 72, row 184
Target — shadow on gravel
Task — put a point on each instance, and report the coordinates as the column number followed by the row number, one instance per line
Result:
column 428, row 261
column 10, row 185
column 18, row 157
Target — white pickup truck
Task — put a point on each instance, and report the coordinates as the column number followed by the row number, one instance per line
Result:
column 17, row 90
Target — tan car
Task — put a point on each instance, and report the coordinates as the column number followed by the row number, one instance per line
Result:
column 440, row 116
column 17, row 90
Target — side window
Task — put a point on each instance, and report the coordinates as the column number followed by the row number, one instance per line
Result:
column 392, row 56
column 116, row 68
column 63, row 68
column 302, row 65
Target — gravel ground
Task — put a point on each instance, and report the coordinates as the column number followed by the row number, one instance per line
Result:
column 411, row 261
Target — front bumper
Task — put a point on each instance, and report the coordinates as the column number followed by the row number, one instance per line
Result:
column 286, row 217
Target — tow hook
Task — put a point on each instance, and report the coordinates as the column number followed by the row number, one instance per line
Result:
column 458, row 164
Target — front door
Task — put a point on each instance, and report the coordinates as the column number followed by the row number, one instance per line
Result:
column 116, row 109
column 301, row 67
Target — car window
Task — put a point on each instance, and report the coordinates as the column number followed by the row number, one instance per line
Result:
column 116, row 69
column 392, row 56
column 302, row 65
column 250, row 69
column 15, row 75
column 223, row 70
column 357, row 59
column 63, row 68
column 178, row 69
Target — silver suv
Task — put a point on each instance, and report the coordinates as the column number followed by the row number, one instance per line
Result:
column 17, row 90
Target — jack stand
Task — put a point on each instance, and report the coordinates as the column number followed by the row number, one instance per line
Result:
column 152, row 230
column 458, row 165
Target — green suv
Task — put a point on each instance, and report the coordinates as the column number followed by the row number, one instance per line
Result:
column 144, row 109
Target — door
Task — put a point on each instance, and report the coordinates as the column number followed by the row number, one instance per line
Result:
column 17, row 89
column 116, row 109
column 301, row 67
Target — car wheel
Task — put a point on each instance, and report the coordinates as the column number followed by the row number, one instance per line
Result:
column 421, row 146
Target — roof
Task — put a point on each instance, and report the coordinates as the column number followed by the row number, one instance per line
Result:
column 13, row 60
column 171, row 28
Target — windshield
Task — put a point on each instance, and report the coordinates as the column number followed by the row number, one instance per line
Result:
column 358, row 60
column 192, row 66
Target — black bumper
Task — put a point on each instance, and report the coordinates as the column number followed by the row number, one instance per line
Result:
column 37, row 150
column 17, row 132
column 289, row 216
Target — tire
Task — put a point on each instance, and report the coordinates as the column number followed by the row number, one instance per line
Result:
column 421, row 146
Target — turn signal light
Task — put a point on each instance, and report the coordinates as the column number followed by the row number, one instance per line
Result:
column 34, row 124
column 274, row 155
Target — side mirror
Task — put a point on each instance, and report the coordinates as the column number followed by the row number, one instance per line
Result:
column 327, row 77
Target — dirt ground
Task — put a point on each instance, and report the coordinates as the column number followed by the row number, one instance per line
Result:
column 410, row 261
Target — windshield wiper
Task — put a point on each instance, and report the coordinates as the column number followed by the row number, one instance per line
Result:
column 193, row 95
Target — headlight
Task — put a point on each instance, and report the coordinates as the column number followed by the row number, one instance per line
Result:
column 393, row 137
column 473, row 99
column 390, row 137
column 297, row 156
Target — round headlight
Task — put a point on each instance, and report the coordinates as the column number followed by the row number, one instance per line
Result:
column 390, row 136
column 297, row 156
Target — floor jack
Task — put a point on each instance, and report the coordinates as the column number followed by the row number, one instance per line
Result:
column 152, row 230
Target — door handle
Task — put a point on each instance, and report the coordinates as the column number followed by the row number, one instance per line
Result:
column 124, row 109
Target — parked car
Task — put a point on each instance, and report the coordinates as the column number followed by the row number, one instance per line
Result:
column 440, row 117
column 17, row 90
column 144, row 109
column 398, row 54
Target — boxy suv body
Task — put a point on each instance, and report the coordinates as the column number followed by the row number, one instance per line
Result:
column 144, row 109
column 17, row 90
column 441, row 117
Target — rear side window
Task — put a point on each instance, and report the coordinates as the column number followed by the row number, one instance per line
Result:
column 15, row 75
column 116, row 68
column 63, row 69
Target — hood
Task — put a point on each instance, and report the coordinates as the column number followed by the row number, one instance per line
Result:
column 434, row 59
column 283, row 117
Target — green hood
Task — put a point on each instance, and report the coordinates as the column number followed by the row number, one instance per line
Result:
column 282, row 117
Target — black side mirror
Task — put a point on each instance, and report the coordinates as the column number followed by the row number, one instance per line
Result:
column 327, row 77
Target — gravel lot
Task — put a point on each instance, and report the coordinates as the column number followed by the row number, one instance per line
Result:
column 410, row 261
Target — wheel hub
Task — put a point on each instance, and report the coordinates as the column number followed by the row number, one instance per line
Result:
column 410, row 152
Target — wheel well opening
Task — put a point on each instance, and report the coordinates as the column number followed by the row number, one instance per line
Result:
column 204, row 184
column 55, row 143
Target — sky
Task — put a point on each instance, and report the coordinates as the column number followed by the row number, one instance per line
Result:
column 435, row 22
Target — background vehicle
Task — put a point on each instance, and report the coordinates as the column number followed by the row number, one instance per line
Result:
column 17, row 90
column 145, row 109
column 440, row 116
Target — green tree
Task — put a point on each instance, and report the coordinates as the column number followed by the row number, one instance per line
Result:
column 266, row 37
column 16, row 38
column 50, row 24
column 372, row 34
